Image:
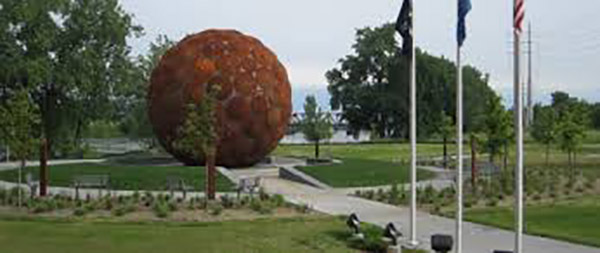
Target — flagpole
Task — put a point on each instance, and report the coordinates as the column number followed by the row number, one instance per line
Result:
column 459, row 151
column 413, row 135
column 518, row 108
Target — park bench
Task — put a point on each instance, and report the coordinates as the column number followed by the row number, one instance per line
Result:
column 100, row 181
column 247, row 185
column 178, row 184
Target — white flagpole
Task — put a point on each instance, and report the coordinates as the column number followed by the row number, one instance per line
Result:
column 413, row 134
column 518, row 108
column 459, row 151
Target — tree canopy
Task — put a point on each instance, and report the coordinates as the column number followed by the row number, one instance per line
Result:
column 370, row 87
column 70, row 54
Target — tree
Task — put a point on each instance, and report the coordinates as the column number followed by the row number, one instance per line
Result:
column 596, row 116
column 70, row 55
column 447, row 131
column 19, row 119
column 132, row 102
column 543, row 129
column 497, row 127
column 570, row 131
column 198, row 135
column 316, row 124
column 370, row 87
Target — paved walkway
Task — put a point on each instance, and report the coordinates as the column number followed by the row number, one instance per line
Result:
column 14, row 165
column 476, row 238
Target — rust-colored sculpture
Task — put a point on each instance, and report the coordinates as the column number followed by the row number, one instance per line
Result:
column 254, row 100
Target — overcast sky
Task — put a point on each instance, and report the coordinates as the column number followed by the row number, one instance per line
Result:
column 309, row 36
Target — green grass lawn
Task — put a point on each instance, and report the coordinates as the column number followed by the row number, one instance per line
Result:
column 575, row 220
column 354, row 172
column 389, row 152
column 269, row 235
column 125, row 177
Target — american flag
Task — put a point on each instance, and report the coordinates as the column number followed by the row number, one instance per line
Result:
column 519, row 15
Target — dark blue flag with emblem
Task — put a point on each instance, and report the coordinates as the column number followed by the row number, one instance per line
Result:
column 464, row 6
column 404, row 27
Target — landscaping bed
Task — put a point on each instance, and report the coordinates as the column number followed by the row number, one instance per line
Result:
column 557, row 205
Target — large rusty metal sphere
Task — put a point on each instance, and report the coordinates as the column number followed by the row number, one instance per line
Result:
column 254, row 100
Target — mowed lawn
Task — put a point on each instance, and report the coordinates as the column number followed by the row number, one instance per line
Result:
column 575, row 220
column 388, row 152
column 125, row 177
column 269, row 235
column 353, row 172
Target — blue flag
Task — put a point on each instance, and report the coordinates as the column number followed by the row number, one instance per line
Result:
column 464, row 6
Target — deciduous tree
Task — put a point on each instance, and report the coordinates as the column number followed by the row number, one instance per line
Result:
column 316, row 125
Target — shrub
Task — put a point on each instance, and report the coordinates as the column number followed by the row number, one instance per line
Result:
column 370, row 194
column 40, row 207
column 262, row 207
column 394, row 194
column 89, row 207
column 304, row 208
column 172, row 206
column 380, row 195
column 136, row 196
column 3, row 196
column 429, row 194
column 372, row 241
column 470, row 202
column 108, row 204
column 262, row 194
column 278, row 200
column 160, row 209
column 589, row 183
column 215, row 209
column 119, row 211
column 79, row 211
column 492, row 202
column 227, row 201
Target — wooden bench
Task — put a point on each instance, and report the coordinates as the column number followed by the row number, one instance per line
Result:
column 247, row 185
column 91, row 181
column 178, row 184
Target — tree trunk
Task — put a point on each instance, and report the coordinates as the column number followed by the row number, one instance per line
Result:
column 20, row 180
column 473, row 163
column 317, row 149
column 77, row 134
column 445, row 162
column 210, row 175
column 505, row 163
column 571, row 174
column 547, row 153
column 44, row 168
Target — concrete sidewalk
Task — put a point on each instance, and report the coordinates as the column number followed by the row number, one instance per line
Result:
column 476, row 238
column 15, row 165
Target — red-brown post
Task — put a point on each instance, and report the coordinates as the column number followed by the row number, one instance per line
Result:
column 210, row 176
column 44, row 167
